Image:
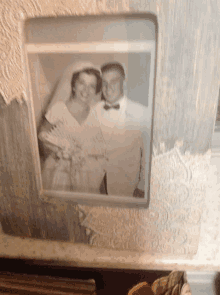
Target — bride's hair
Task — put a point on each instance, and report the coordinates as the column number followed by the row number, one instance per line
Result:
column 89, row 71
column 63, row 90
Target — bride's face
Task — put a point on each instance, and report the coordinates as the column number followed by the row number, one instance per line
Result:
column 85, row 88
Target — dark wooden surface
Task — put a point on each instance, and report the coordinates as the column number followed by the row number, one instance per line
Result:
column 42, row 275
column 108, row 281
column 13, row 283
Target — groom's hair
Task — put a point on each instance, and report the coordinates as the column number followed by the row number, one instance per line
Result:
column 113, row 66
column 89, row 71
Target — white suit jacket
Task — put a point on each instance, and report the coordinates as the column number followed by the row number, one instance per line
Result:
column 126, row 134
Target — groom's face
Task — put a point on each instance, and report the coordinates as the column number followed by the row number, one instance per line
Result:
column 112, row 85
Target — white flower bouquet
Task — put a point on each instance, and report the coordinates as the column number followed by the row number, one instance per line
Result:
column 83, row 168
column 65, row 141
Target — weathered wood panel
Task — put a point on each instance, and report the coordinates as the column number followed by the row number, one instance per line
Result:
column 18, row 181
column 187, row 73
column 22, row 211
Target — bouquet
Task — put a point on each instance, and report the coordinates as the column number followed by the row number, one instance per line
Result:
column 82, row 167
column 68, row 147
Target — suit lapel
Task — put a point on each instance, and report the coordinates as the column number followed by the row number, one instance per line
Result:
column 108, row 127
column 95, row 122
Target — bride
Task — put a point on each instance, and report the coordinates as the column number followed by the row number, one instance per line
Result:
column 72, row 133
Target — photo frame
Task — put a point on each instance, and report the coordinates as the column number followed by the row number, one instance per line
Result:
column 137, row 56
column 181, row 152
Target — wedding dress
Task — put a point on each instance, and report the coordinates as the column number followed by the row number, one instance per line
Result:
column 84, row 170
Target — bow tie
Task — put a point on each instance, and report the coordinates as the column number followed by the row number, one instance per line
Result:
column 107, row 107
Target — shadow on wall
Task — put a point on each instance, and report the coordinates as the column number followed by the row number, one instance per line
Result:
column 217, row 284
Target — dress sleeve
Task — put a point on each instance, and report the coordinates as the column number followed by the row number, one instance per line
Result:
column 55, row 113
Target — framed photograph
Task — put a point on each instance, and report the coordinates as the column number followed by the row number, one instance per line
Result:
column 84, row 147
column 125, row 178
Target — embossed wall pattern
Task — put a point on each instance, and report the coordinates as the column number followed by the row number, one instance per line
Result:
column 12, row 16
column 171, row 225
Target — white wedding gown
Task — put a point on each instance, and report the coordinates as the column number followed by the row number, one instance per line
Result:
column 85, row 170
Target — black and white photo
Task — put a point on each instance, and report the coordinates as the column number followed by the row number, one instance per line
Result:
column 93, row 113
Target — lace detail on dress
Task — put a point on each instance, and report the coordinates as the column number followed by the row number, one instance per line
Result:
column 171, row 224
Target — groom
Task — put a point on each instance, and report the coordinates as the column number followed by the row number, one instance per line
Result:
column 125, row 127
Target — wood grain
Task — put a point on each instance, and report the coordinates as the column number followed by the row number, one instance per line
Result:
column 22, row 211
column 187, row 73
column 13, row 283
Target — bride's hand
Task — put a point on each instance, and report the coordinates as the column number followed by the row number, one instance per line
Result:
column 51, row 148
column 65, row 154
column 57, row 151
